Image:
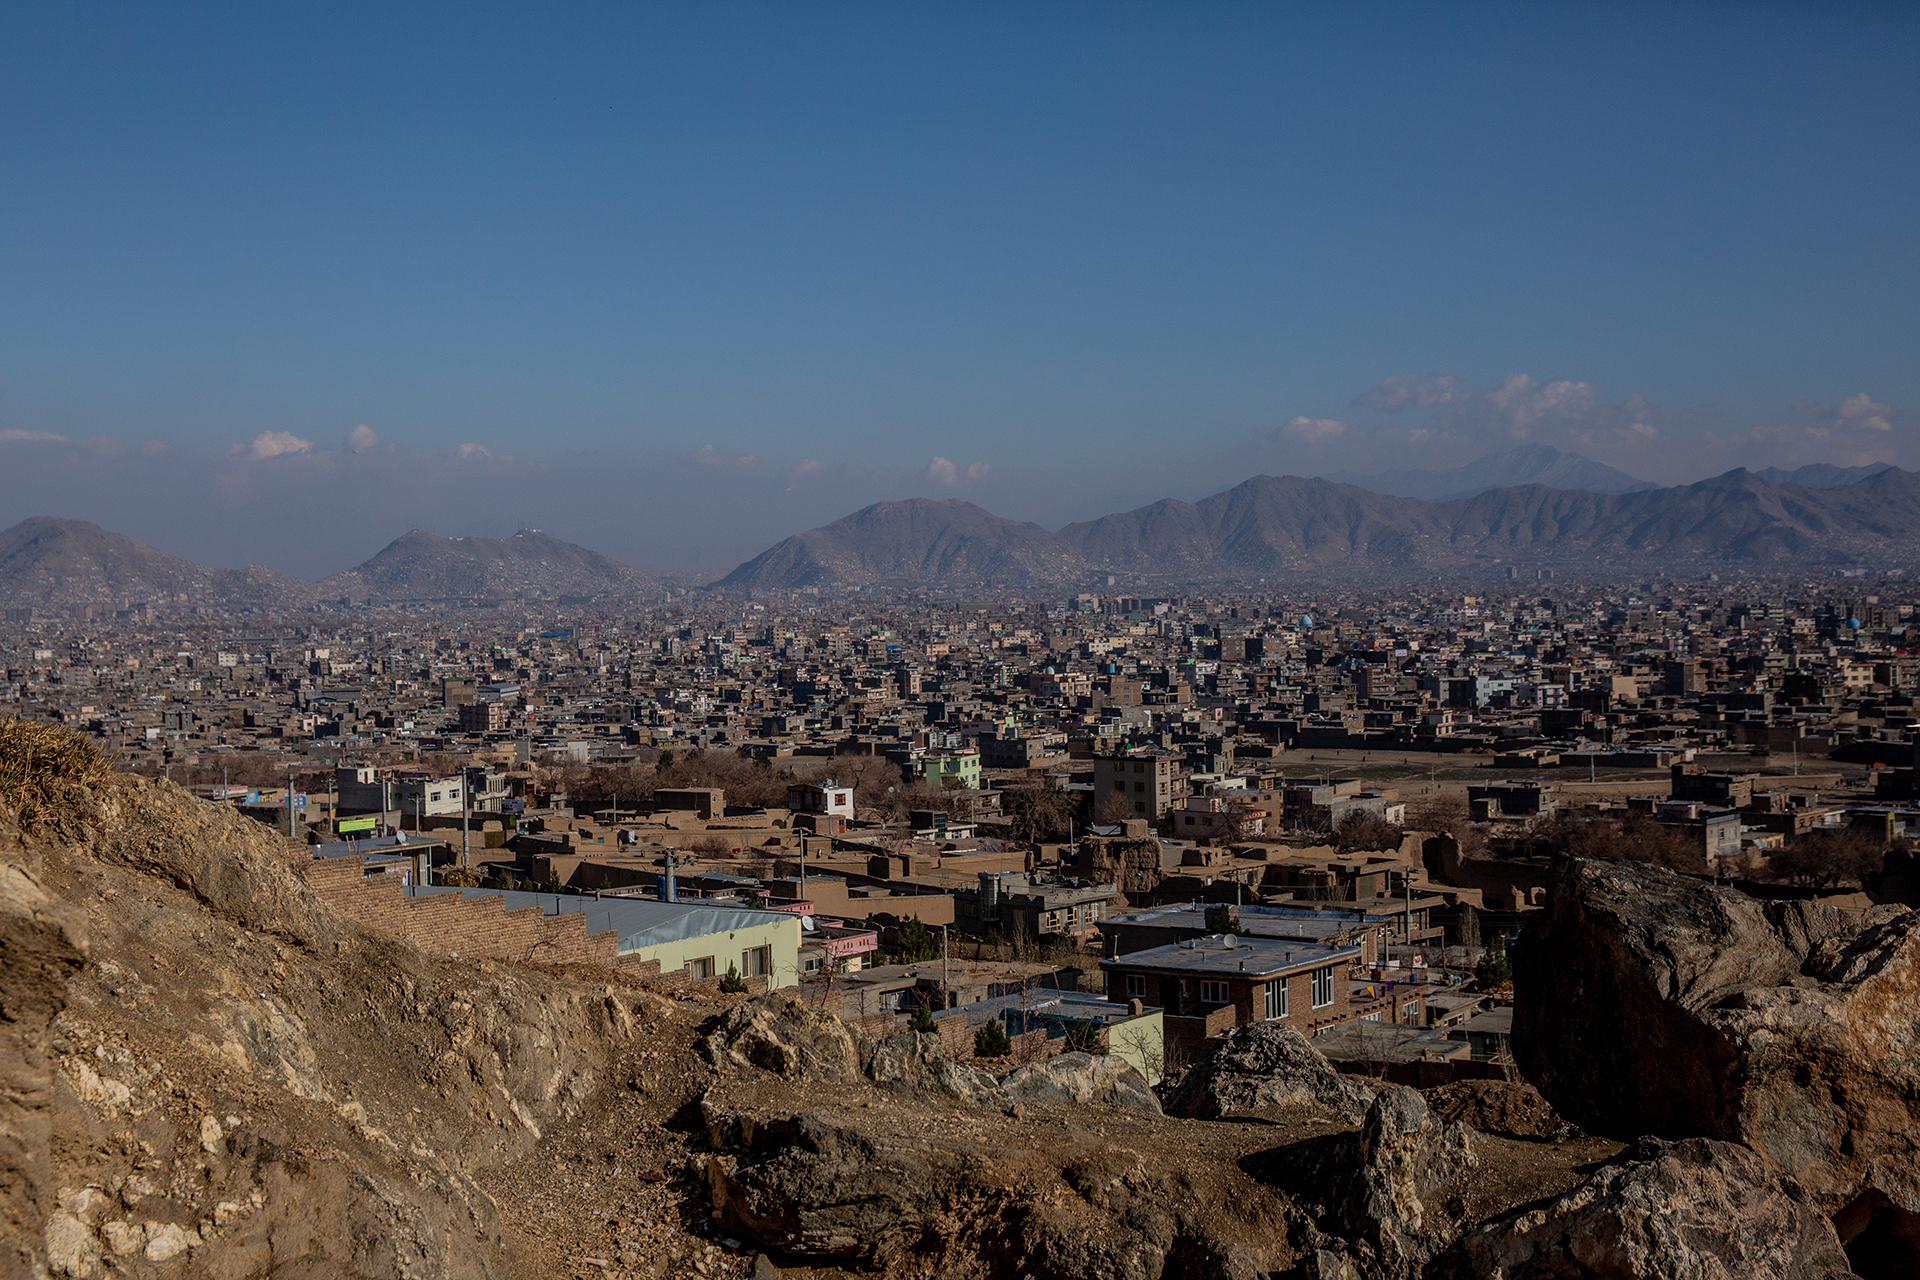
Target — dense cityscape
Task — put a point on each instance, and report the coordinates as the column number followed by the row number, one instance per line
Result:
column 959, row 642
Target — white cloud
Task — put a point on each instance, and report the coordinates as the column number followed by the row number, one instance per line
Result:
column 979, row 471
column 1861, row 409
column 15, row 436
column 1316, row 428
column 943, row 473
column 471, row 450
column 361, row 439
column 276, row 444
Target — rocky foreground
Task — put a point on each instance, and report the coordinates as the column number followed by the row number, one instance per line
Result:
column 205, row 1072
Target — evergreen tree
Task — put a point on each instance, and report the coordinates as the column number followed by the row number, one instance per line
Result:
column 992, row 1041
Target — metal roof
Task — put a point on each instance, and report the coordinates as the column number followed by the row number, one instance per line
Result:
column 639, row 922
column 1222, row 953
column 1266, row 922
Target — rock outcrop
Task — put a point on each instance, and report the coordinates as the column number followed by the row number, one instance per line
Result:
column 1080, row 1078
column 1693, row 1210
column 972, row 1194
column 1382, row 1202
column 1509, row 1108
column 1648, row 1003
column 1267, row 1064
column 781, row 1034
column 43, row 942
column 790, row 1039
column 205, row 1071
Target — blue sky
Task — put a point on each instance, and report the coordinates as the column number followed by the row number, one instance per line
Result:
column 677, row 281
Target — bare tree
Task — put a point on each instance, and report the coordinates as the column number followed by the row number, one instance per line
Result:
column 1829, row 858
column 1361, row 830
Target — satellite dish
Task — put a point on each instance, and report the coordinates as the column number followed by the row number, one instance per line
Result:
column 806, row 923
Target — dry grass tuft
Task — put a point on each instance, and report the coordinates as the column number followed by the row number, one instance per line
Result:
column 41, row 765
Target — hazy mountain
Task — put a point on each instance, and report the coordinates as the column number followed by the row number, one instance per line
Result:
column 1525, row 464
column 922, row 538
column 1822, row 475
column 425, row 566
column 1273, row 525
column 49, row 561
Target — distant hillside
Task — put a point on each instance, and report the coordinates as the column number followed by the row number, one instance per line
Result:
column 45, row 561
column 425, row 566
column 1276, row 525
column 947, row 541
column 1527, row 464
column 1822, row 475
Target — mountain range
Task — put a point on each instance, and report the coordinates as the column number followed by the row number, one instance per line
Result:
column 50, row 562
column 1866, row 517
column 1277, row 525
column 1525, row 464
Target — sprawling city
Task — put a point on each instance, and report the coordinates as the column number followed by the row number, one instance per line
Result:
column 979, row 644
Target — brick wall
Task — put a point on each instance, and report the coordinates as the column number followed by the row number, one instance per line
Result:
column 450, row 924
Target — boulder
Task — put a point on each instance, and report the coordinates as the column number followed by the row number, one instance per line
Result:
column 1694, row 1210
column 1080, row 1078
column 1510, row 1109
column 1384, row 1201
column 781, row 1035
column 1647, row 1002
column 1267, row 1064
column 916, row 1062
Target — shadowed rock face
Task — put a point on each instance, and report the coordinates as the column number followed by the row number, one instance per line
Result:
column 1379, row 1203
column 1650, row 1003
column 1693, row 1210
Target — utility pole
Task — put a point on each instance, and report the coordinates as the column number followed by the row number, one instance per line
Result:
column 463, row 819
column 1408, row 926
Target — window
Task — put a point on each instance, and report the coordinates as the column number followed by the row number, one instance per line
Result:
column 1120, row 786
column 1136, row 986
column 1139, row 786
column 1139, row 806
column 1277, row 998
column 434, row 796
column 702, row 968
column 1213, row 993
column 1138, row 767
column 756, row 963
column 1189, row 819
column 1322, row 988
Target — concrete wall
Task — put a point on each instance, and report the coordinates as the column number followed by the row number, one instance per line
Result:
column 781, row 936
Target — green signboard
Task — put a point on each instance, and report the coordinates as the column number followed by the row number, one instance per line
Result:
column 357, row 824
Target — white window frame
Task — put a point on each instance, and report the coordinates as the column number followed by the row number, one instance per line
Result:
column 1276, row 994
column 1323, row 987
column 1215, row 991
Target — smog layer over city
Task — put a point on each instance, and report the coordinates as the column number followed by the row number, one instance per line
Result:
column 850, row 642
